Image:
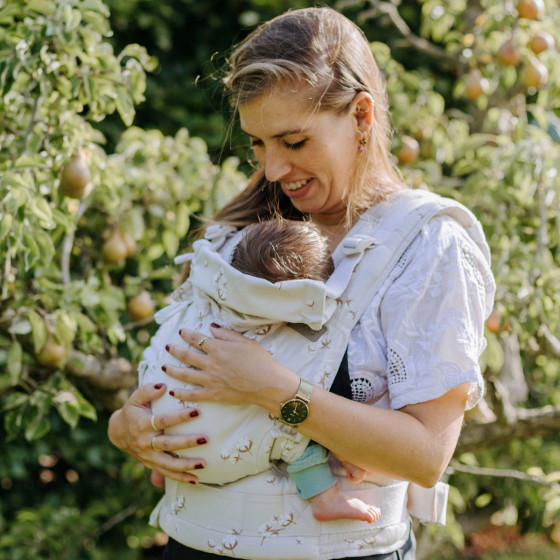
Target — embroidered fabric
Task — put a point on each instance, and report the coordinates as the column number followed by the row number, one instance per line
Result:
column 436, row 299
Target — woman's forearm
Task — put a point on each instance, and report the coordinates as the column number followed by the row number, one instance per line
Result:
column 414, row 443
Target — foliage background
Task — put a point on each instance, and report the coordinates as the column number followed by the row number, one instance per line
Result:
column 154, row 129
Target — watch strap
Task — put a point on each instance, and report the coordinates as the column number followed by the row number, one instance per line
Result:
column 304, row 391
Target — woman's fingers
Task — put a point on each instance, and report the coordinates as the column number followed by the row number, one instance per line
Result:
column 143, row 396
column 166, row 462
column 190, row 375
column 171, row 443
column 219, row 333
column 168, row 419
column 188, row 355
column 157, row 479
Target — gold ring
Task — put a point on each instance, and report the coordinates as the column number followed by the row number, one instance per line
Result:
column 153, row 446
column 153, row 423
column 201, row 342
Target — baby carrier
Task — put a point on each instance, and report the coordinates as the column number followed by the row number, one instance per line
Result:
column 314, row 320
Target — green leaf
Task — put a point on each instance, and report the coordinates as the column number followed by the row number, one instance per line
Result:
column 125, row 107
column 15, row 359
column 182, row 222
column 45, row 7
column 483, row 500
column 41, row 209
column 38, row 330
column 170, row 242
column 65, row 328
column 68, row 410
column 14, row 401
column 36, row 428
column 20, row 325
column 96, row 6
column 27, row 160
column 6, row 221
column 12, row 422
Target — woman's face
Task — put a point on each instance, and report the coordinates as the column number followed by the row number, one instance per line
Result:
column 311, row 154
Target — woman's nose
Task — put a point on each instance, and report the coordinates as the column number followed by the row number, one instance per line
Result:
column 276, row 166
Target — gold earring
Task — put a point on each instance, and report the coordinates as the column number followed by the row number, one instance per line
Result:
column 363, row 141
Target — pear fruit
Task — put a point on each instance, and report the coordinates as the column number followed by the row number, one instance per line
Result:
column 541, row 41
column 141, row 306
column 130, row 243
column 534, row 74
column 530, row 9
column 75, row 176
column 508, row 54
column 52, row 354
column 115, row 248
column 409, row 150
column 475, row 84
column 495, row 323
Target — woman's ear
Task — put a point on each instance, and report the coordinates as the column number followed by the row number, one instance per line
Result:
column 362, row 109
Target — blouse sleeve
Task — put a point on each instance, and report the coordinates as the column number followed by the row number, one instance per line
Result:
column 428, row 322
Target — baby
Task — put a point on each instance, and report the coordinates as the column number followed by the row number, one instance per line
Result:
column 280, row 251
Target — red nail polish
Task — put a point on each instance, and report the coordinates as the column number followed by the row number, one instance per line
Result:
column 199, row 466
column 215, row 326
column 180, row 332
column 164, row 368
column 167, row 347
column 172, row 393
column 158, row 386
column 201, row 440
column 194, row 413
column 192, row 482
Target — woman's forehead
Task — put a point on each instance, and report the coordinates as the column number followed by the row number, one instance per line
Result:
column 278, row 113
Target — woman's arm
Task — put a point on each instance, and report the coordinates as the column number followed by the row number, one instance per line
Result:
column 414, row 443
column 130, row 429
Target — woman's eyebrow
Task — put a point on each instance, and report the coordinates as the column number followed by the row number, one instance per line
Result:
column 288, row 132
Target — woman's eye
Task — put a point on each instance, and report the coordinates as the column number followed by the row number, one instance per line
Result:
column 295, row 145
column 256, row 143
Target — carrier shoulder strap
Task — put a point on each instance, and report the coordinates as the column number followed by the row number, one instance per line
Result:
column 377, row 242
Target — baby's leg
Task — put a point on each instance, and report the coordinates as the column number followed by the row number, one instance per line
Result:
column 333, row 505
column 315, row 482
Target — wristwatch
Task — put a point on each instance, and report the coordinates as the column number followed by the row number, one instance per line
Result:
column 296, row 410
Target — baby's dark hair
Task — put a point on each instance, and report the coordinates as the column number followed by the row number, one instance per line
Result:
column 280, row 249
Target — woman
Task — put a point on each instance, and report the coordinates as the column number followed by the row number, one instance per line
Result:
column 311, row 99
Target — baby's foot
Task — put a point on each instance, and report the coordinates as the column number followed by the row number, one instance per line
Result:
column 333, row 505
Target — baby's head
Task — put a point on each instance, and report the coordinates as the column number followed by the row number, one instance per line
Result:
column 279, row 249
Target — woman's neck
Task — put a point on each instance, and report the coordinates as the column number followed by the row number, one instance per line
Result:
column 334, row 233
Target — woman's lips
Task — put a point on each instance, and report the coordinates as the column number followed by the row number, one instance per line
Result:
column 296, row 189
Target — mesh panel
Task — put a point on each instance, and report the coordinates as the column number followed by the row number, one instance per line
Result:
column 396, row 370
column 362, row 390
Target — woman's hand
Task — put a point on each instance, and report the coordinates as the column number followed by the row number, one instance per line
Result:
column 230, row 368
column 131, row 429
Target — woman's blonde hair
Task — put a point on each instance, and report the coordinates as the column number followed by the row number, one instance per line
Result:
column 328, row 53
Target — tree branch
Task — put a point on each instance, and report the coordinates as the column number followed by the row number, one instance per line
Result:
column 110, row 375
column 418, row 43
column 500, row 473
column 552, row 340
column 528, row 422
column 68, row 243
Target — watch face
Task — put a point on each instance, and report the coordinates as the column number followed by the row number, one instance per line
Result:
column 294, row 411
